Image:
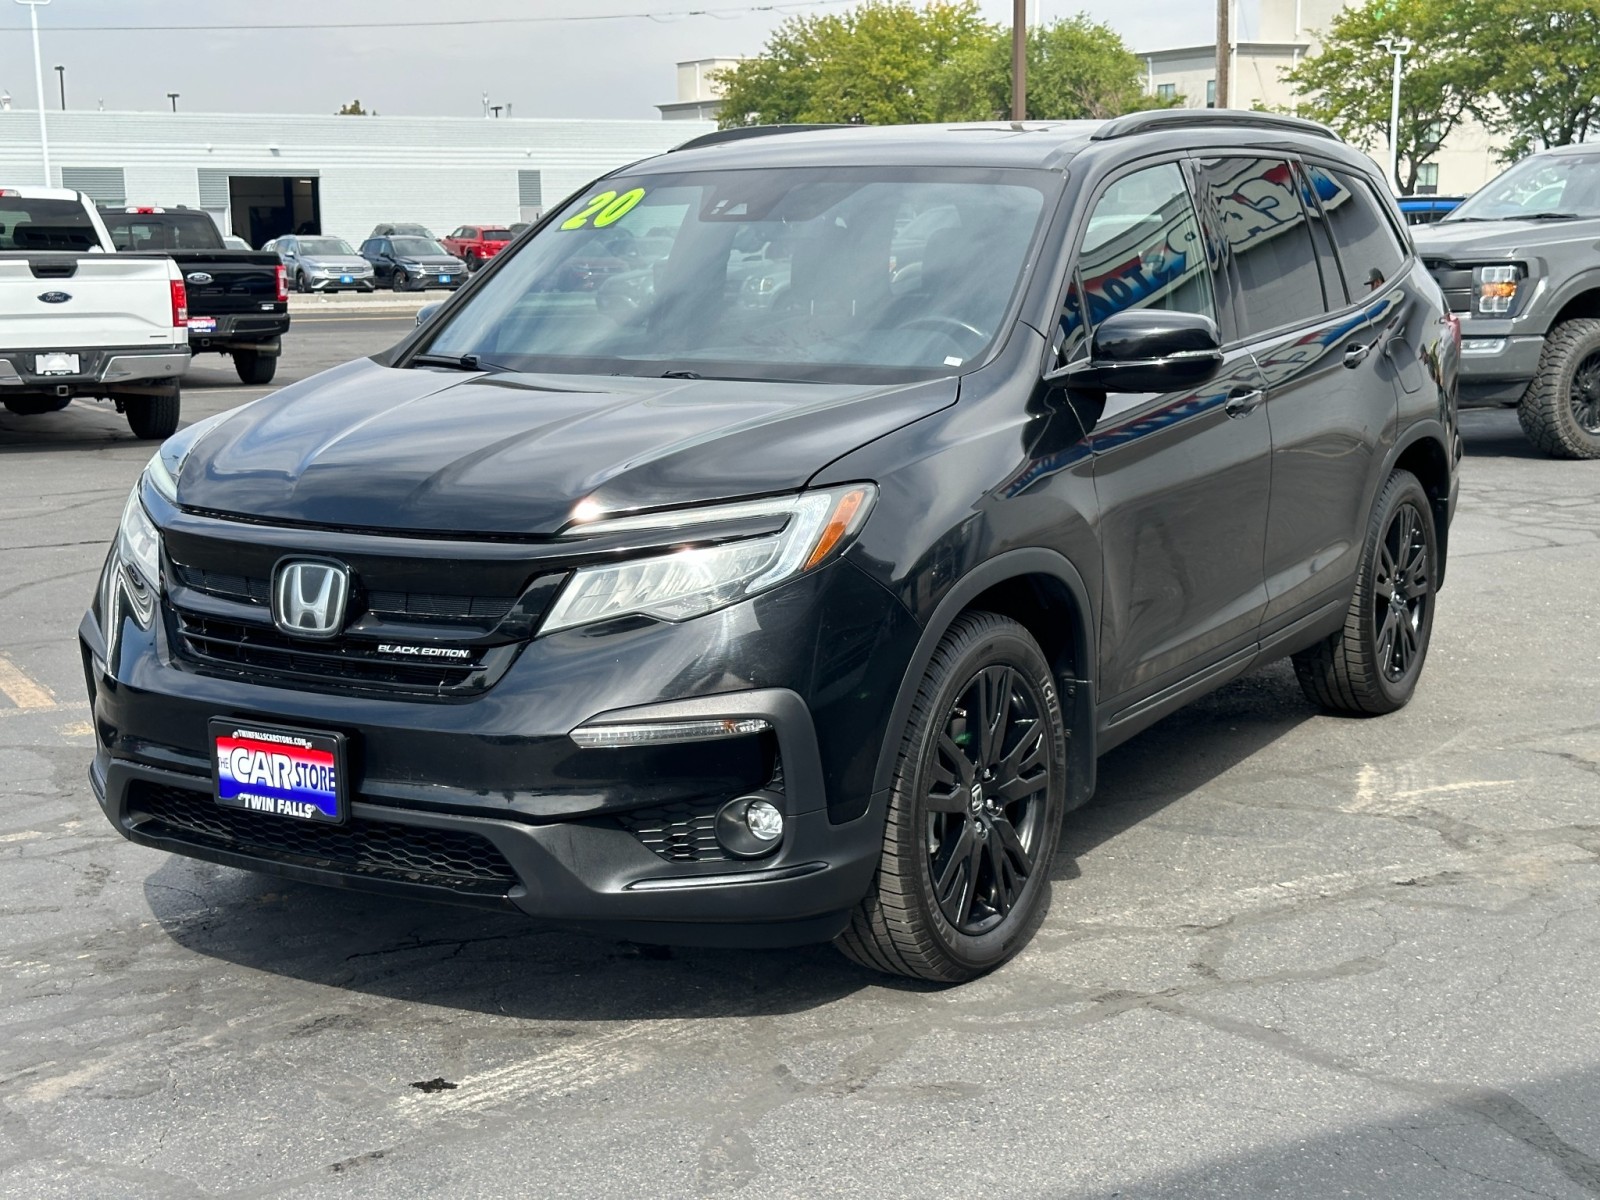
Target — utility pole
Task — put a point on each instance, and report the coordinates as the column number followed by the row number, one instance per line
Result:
column 1399, row 47
column 1224, row 52
column 1019, row 60
column 173, row 96
column 38, row 83
column 61, row 77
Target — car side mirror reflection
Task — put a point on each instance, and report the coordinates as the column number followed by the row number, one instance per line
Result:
column 425, row 313
column 1146, row 350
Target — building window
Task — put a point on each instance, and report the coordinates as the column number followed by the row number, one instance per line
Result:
column 1428, row 179
column 1166, row 91
column 1211, row 93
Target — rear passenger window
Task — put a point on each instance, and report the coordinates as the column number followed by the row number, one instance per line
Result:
column 1142, row 249
column 1269, row 237
column 1369, row 249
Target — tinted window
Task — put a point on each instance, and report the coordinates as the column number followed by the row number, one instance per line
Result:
column 325, row 246
column 497, row 235
column 416, row 245
column 1369, row 251
column 1142, row 249
column 164, row 231
column 45, row 225
column 1269, row 237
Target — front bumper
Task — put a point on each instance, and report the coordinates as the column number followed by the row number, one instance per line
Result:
column 579, row 831
column 335, row 283
column 1496, row 363
column 133, row 364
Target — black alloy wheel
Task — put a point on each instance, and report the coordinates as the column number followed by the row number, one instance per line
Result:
column 986, row 803
column 300, row 284
column 400, row 281
column 1560, row 410
column 1372, row 664
column 975, row 808
column 1586, row 394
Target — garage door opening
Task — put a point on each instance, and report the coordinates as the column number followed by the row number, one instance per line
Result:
column 268, row 206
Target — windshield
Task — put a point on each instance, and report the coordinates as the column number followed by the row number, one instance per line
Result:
column 164, row 231
column 325, row 247
column 497, row 235
column 763, row 274
column 1539, row 187
column 45, row 225
column 414, row 245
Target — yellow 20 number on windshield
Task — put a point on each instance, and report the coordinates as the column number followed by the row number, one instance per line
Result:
column 604, row 209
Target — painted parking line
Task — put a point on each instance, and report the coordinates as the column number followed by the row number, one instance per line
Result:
column 22, row 689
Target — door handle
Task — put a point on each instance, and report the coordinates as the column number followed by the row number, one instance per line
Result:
column 1241, row 403
column 1354, row 356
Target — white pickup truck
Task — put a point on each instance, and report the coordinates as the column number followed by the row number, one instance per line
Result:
column 79, row 319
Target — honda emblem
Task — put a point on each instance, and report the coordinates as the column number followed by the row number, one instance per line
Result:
column 309, row 597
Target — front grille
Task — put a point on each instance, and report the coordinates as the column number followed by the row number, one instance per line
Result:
column 681, row 832
column 463, row 862
column 1455, row 282
column 408, row 606
column 263, row 655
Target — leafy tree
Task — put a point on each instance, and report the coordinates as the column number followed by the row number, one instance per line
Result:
column 1347, row 83
column 354, row 109
column 872, row 64
column 1544, row 70
column 1077, row 69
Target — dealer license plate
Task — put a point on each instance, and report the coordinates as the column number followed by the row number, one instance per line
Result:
column 290, row 773
column 347, row 279
column 445, row 278
column 55, row 364
column 203, row 324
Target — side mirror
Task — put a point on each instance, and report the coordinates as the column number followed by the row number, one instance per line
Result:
column 1147, row 350
column 426, row 312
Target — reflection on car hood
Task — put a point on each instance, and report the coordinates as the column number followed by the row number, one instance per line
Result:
column 1452, row 239
column 368, row 446
column 334, row 262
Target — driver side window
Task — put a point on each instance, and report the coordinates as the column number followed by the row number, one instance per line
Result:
column 1141, row 248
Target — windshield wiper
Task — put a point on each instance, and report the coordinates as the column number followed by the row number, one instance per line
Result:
column 462, row 362
column 1550, row 216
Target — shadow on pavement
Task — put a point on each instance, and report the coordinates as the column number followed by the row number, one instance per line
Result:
column 1495, row 433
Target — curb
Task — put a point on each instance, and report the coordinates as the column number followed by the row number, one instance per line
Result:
column 375, row 304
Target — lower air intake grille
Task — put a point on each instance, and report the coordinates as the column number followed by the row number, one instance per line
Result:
column 677, row 832
column 463, row 862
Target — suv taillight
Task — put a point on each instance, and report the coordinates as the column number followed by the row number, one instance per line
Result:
column 283, row 285
column 180, row 306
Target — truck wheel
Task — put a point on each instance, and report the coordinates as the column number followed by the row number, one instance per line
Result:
column 37, row 406
column 1372, row 665
column 255, row 367
column 974, row 812
column 152, row 417
column 1560, row 411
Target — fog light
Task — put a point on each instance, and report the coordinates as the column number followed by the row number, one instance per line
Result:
column 764, row 820
column 751, row 826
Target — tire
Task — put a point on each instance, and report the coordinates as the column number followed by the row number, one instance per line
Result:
column 300, row 284
column 255, row 367
column 37, row 406
column 399, row 281
column 474, row 264
column 1560, row 411
column 1371, row 666
column 964, row 878
column 152, row 417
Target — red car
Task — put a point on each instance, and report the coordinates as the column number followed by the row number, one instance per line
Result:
column 477, row 244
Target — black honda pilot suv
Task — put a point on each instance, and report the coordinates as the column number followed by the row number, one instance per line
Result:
column 781, row 579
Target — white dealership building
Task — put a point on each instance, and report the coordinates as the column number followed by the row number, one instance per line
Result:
column 263, row 175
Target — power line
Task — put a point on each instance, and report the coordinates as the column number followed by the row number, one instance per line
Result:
column 787, row 6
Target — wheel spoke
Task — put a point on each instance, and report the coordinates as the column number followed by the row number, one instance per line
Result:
column 1004, row 893
column 964, row 768
column 1386, row 636
column 1006, row 834
column 952, row 887
column 1406, row 646
column 1028, row 753
column 994, row 709
column 1022, row 786
column 1385, row 578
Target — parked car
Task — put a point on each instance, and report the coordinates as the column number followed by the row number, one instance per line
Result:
column 776, row 625
column 238, row 299
column 80, row 321
column 1519, row 263
column 477, row 244
column 1425, row 210
column 413, row 264
column 324, row 264
column 400, row 229
column 237, row 243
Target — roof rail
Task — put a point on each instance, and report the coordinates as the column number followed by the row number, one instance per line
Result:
column 1158, row 119
column 739, row 132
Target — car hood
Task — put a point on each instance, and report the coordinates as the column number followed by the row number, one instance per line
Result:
column 368, row 446
column 1457, row 240
column 429, row 260
column 334, row 262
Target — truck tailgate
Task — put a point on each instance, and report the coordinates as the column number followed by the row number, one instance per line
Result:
column 221, row 282
column 68, row 301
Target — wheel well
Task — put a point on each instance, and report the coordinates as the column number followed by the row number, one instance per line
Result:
column 1427, row 460
column 1584, row 304
column 1047, row 609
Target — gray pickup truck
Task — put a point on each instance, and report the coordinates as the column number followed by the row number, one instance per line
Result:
column 1519, row 263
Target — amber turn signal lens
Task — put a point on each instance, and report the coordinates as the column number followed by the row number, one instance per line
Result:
column 838, row 525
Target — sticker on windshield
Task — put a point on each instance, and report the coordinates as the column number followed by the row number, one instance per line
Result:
column 604, row 209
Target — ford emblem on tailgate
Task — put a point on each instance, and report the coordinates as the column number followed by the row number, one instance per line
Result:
column 199, row 278
column 55, row 297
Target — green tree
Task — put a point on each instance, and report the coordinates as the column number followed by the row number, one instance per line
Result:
column 1543, row 58
column 872, row 64
column 1077, row 69
column 1346, row 84
column 354, row 109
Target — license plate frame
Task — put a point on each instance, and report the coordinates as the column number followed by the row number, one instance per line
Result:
column 202, row 324
column 446, row 278
column 347, row 279
column 287, row 773
column 57, row 362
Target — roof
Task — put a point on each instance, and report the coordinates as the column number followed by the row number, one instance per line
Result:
column 1024, row 144
column 38, row 193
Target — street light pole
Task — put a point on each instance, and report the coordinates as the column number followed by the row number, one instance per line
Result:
column 173, row 96
column 1399, row 47
column 61, row 78
column 1019, row 60
column 38, row 84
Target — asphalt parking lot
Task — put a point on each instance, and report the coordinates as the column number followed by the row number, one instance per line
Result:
column 1288, row 954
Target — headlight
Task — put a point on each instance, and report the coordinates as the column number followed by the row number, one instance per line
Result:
column 1496, row 289
column 137, row 565
column 698, row 579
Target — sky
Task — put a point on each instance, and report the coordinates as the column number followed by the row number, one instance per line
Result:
column 547, row 68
